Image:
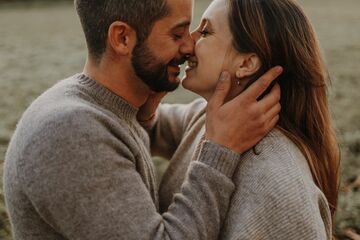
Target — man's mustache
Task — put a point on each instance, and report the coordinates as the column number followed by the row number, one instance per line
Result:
column 180, row 61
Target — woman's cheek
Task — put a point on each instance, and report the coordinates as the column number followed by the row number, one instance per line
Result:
column 210, row 62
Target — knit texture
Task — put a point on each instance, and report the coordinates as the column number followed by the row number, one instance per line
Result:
column 275, row 195
column 78, row 167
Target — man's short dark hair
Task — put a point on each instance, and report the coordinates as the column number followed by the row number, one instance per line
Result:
column 96, row 16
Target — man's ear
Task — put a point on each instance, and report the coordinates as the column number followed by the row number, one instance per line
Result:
column 121, row 38
column 247, row 65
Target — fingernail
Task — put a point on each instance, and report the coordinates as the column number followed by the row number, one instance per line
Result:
column 278, row 69
column 223, row 76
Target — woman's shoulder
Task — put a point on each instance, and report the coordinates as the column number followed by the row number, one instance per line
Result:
column 276, row 151
column 274, row 185
column 278, row 163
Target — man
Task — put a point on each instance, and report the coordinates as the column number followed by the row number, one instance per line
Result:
column 78, row 165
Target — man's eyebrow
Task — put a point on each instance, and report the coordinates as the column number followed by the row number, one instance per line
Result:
column 182, row 24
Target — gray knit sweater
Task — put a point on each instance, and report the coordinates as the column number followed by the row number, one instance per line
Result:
column 275, row 195
column 78, row 167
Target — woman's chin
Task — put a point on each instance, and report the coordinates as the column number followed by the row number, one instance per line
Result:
column 185, row 83
column 191, row 83
column 188, row 79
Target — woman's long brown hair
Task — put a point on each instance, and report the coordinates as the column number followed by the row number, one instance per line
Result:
column 279, row 32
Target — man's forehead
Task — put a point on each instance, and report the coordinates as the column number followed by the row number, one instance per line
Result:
column 180, row 10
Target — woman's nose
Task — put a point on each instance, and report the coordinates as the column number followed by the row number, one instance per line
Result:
column 194, row 35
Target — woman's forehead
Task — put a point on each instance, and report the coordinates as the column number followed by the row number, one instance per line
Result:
column 216, row 12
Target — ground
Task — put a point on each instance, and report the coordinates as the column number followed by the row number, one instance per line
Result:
column 42, row 43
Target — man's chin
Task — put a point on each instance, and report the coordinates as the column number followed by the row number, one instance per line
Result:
column 174, row 79
column 171, row 85
column 174, row 82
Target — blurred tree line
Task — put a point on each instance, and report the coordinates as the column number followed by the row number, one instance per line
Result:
column 32, row 2
column 27, row 1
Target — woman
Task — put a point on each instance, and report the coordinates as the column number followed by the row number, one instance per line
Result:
column 287, row 186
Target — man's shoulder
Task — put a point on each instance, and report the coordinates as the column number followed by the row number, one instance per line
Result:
column 61, row 131
column 57, row 111
column 57, row 116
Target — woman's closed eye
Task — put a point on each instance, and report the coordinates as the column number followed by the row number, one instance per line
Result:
column 204, row 32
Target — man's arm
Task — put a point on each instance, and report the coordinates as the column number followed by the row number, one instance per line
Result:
column 167, row 127
column 87, row 186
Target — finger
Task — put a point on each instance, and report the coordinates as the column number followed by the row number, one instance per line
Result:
column 275, row 110
column 148, row 110
column 271, row 99
column 154, row 100
column 272, row 123
column 221, row 91
column 260, row 85
column 159, row 96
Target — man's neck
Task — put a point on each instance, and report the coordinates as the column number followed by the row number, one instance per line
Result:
column 118, row 80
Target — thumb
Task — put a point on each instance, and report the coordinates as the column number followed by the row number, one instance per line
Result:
column 159, row 96
column 154, row 99
column 221, row 91
column 148, row 110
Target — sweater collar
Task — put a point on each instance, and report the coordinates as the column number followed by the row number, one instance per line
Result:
column 107, row 98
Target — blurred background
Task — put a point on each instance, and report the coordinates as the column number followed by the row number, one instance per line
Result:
column 41, row 42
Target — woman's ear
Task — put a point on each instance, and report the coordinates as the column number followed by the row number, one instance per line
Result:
column 121, row 38
column 247, row 65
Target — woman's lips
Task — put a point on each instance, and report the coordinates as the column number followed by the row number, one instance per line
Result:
column 187, row 69
column 191, row 65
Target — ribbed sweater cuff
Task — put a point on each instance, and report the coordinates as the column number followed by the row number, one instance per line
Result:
column 220, row 158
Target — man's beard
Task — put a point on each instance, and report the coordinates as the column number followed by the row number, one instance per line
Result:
column 151, row 70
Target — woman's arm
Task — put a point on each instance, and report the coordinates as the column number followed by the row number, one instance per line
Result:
column 169, row 124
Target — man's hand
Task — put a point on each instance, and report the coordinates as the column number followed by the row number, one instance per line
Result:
column 148, row 110
column 242, row 122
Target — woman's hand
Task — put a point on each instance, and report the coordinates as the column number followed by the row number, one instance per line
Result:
column 148, row 110
column 242, row 122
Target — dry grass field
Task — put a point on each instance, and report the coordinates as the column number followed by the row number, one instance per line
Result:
column 43, row 43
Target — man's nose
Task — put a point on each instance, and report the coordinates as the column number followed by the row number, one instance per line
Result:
column 187, row 48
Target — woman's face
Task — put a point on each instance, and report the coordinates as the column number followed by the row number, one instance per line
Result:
column 213, row 51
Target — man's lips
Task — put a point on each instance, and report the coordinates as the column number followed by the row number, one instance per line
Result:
column 174, row 65
column 177, row 62
column 174, row 70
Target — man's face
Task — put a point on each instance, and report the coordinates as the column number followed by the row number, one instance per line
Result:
column 157, row 60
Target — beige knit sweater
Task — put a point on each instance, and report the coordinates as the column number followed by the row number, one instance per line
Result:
column 78, row 168
column 275, row 196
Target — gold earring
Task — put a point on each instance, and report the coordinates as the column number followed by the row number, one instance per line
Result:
column 238, row 78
